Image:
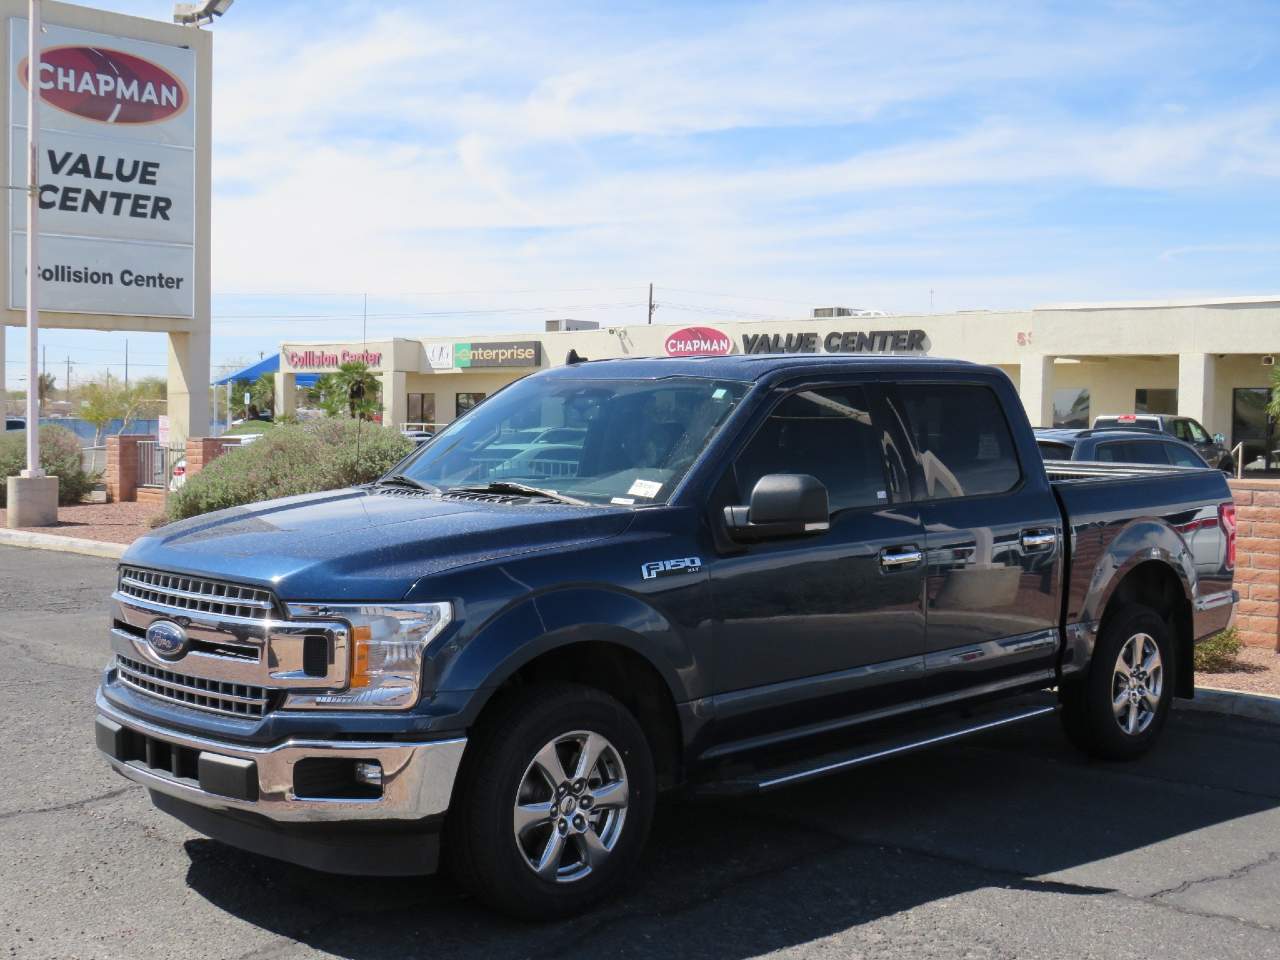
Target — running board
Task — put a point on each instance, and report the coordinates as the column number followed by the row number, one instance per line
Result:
column 811, row 768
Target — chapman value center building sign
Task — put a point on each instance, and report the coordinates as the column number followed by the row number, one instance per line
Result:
column 117, row 173
column 124, row 139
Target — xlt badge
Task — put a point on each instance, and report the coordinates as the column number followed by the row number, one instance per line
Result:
column 665, row 568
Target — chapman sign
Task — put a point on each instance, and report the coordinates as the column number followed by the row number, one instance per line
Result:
column 117, row 174
column 698, row 342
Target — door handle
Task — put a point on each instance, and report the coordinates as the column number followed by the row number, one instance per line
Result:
column 1038, row 539
column 896, row 558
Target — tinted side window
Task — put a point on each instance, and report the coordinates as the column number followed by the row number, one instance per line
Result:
column 1054, row 451
column 962, row 438
column 1180, row 430
column 824, row 433
column 1198, row 433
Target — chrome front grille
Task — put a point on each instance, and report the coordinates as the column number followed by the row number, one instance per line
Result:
column 195, row 594
column 216, row 696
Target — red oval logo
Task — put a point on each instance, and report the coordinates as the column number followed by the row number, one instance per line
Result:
column 698, row 342
column 109, row 86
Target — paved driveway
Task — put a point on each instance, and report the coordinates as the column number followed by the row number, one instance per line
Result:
column 1008, row 846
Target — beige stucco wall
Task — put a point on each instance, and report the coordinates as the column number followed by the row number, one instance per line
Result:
column 1203, row 350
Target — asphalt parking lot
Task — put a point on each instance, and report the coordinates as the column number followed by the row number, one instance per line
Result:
column 1008, row 846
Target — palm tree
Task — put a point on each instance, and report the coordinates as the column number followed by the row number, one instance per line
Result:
column 46, row 383
column 352, row 389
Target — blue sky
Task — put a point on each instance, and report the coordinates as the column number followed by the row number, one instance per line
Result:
column 483, row 167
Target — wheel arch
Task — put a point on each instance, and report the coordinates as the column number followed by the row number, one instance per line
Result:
column 1163, row 588
column 596, row 656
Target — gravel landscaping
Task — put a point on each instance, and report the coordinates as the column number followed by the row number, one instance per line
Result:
column 108, row 522
column 1257, row 670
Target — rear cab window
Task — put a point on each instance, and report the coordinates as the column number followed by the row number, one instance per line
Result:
column 962, row 439
column 1132, row 451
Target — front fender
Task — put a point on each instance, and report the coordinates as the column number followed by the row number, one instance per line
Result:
column 541, row 623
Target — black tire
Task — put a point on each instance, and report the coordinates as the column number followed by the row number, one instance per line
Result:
column 1227, row 467
column 1089, row 714
column 480, row 838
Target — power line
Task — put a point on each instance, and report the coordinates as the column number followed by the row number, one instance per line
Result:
column 558, row 308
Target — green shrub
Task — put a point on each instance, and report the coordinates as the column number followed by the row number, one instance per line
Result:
column 59, row 457
column 1220, row 652
column 289, row 460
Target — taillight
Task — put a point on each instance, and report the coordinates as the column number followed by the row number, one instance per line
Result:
column 1227, row 520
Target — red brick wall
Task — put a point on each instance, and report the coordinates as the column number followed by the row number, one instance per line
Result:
column 122, row 467
column 203, row 450
column 1258, row 561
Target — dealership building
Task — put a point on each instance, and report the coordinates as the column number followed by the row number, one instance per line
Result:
column 1208, row 359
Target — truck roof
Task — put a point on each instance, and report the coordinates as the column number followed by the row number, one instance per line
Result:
column 749, row 368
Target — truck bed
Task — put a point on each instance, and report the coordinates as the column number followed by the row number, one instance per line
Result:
column 1079, row 471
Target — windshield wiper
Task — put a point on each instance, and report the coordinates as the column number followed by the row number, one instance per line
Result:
column 512, row 486
column 401, row 480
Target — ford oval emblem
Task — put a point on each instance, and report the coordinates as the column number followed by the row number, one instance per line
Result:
column 167, row 639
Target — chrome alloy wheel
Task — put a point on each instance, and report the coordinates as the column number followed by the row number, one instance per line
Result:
column 1137, row 683
column 570, row 806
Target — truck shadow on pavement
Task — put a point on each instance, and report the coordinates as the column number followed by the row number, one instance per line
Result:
column 1015, row 810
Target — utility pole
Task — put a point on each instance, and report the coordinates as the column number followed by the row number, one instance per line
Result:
column 651, row 306
column 126, row 363
column 68, row 376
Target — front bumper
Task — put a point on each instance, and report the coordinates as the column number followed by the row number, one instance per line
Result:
column 417, row 778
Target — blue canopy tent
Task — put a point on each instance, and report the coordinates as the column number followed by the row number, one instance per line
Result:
column 252, row 372
column 269, row 364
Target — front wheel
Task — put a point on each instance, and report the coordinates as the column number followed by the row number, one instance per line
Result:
column 555, row 803
column 1118, row 709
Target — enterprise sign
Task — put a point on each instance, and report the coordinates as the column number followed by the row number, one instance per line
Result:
column 838, row 341
column 501, row 353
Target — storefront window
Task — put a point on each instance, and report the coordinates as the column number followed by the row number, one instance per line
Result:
column 1071, row 408
column 422, row 408
column 1148, row 400
column 468, row 400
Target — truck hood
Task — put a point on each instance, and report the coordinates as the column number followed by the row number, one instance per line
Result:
column 362, row 543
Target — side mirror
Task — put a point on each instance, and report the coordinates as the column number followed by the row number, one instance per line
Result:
column 782, row 505
column 1219, row 439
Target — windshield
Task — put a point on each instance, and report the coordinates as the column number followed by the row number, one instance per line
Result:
column 625, row 442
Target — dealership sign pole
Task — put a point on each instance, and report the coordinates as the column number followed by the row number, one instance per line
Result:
column 33, row 209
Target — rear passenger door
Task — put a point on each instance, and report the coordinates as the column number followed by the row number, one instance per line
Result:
column 993, row 534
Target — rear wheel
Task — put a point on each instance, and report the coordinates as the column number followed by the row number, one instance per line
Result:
column 555, row 803
column 1117, row 711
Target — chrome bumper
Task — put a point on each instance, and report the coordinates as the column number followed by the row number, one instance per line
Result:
column 417, row 778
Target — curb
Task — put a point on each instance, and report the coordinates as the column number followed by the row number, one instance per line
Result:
column 1254, row 706
column 48, row 541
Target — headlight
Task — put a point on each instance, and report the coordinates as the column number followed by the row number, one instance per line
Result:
column 387, row 643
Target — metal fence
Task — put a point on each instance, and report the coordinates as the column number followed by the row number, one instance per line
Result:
column 156, row 462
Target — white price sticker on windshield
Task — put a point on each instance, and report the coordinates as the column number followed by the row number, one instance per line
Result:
column 645, row 488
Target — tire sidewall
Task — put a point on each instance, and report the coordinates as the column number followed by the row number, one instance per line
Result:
column 514, row 885
column 1101, row 715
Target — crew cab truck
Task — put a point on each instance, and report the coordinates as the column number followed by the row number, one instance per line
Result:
column 729, row 575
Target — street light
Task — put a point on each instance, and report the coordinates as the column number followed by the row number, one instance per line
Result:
column 194, row 14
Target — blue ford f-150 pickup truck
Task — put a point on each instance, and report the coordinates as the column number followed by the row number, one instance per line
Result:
column 617, row 578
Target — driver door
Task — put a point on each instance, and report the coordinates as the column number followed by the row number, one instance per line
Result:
column 815, row 628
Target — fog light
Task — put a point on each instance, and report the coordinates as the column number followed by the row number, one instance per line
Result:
column 369, row 772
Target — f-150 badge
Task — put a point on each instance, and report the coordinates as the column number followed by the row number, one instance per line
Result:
column 665, row 568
